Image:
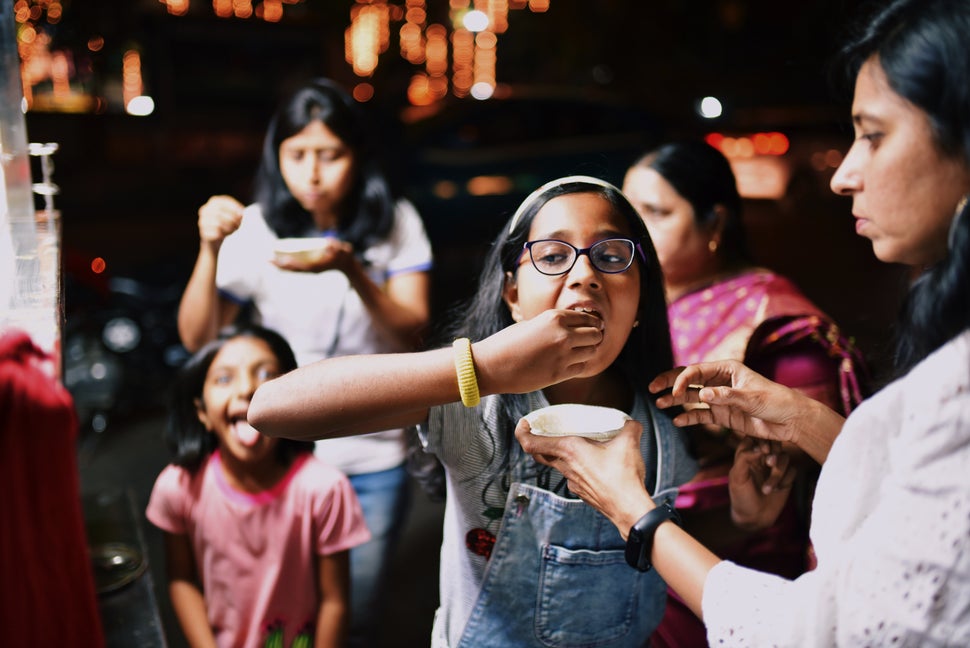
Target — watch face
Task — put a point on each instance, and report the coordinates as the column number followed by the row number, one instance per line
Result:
column 639, row 542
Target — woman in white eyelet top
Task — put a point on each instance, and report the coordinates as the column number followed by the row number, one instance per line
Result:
column 891, row 514
column 890, row 526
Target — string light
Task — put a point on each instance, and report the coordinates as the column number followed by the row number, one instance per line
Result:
column 39, row 64
column 475, row 26
column 131, row 83
column 268, row 10
column 473, row 46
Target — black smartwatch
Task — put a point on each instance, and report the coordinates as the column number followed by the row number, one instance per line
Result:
column 640, row 540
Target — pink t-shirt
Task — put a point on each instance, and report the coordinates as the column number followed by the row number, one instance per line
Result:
column 255, row 552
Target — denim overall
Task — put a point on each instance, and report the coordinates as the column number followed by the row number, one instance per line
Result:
column 569, row 559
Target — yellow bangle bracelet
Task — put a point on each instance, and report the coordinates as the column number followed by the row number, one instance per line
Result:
column 465, row 368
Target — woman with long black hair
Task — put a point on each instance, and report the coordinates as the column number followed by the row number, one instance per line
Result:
column 891, row 514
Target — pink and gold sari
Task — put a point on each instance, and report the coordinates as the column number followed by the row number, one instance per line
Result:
column 762, row 319
column 759, row 314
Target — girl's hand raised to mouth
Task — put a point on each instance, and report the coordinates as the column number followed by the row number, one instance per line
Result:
column 553, row 346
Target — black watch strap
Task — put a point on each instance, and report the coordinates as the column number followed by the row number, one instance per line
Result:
column 639, row 542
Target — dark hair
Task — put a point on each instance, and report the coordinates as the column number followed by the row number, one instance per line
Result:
column 367, row 213
column 188, row 440
column 921, row 45
column 647, row 351
column 703, row 177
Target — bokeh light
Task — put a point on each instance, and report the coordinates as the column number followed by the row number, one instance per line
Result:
column 710, row 108
column 475, row 21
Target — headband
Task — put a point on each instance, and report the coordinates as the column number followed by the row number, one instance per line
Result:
column 553, row 184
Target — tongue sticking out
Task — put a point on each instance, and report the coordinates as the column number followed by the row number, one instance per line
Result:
column 245, row 433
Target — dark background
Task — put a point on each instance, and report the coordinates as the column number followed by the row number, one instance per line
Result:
column 587, row 86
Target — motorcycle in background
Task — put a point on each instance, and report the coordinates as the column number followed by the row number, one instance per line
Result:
column 121, row 347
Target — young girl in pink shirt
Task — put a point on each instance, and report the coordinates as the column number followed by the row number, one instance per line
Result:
column 257, row 530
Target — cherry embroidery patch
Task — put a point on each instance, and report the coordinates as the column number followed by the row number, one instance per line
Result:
column 480, row 542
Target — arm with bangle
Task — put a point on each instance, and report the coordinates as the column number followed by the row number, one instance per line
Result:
column 350, row 395
column 465, row 373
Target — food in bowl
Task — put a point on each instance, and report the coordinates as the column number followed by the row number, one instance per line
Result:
column 574, row 419
column 300, row 250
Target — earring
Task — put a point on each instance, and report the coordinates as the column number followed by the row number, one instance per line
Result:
column 636, row 323
column 957, row 215
column 712, row 245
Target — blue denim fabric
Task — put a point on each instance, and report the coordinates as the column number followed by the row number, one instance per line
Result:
column 568, row 559
column 385, row 499
column 557, row 576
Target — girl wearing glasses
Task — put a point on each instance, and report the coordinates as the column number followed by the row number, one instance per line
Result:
column 570, row 309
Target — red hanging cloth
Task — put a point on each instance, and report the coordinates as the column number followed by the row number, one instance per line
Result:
column 47, row 594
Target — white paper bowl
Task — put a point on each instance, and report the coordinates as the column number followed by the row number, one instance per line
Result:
column 573, row 419
column 302, row 250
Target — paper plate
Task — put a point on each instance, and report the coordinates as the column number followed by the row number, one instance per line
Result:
column 573, row 419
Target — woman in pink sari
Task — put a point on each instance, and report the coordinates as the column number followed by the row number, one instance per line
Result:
column 721, row 306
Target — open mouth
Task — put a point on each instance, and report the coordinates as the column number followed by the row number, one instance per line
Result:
column 586, row 309
column 245, row 433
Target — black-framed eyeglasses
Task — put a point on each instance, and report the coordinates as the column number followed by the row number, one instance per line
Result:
column 553, row 257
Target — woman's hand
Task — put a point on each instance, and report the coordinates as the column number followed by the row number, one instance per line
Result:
column 533, row 354
column 607, row 475
column 760, row 482
column 750, row 404
column 219, row 217
column 736, row 397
